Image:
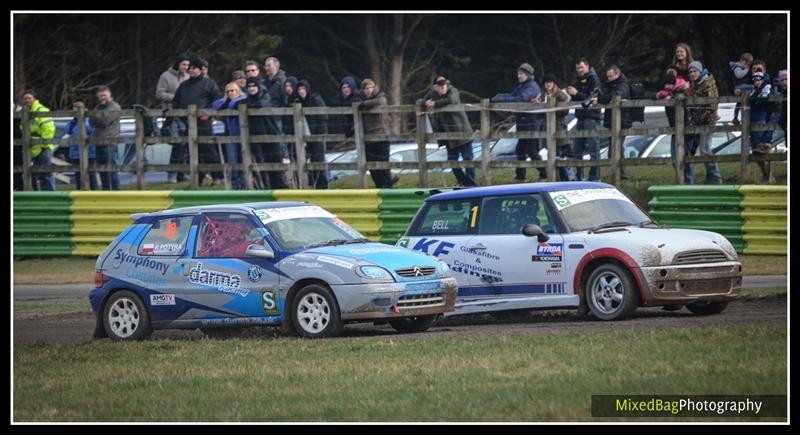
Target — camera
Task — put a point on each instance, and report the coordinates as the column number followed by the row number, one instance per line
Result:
column 588, row 101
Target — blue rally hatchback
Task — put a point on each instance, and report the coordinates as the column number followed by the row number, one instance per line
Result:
column 287, row 264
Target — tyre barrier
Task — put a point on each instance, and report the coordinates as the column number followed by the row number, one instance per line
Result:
column 751, row 217
column 84, row 223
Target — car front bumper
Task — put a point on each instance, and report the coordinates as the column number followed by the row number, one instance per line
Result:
column 395, row 300
column 691, row 283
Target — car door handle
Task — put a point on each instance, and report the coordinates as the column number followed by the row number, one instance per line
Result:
column 477, row 248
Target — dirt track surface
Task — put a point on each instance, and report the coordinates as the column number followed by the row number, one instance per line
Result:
column 78, row 327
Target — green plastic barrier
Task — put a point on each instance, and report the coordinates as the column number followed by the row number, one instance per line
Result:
column 764, row 209
column 42, row 224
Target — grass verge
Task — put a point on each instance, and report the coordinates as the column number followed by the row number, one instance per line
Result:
column 517, row 378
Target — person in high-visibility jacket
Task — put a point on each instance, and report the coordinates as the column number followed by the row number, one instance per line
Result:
column 41, row 127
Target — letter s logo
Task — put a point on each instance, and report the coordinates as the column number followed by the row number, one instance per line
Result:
column 268, row 303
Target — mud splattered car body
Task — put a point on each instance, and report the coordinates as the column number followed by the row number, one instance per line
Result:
column 290, row 264
column 551, row 245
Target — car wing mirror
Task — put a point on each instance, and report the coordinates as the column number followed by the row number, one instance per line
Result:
column 531, row 230
column 261, row 251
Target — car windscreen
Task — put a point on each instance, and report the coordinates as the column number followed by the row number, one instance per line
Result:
column 589, row 208
column 302, row 233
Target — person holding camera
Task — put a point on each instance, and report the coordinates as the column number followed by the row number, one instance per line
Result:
column 587, row 86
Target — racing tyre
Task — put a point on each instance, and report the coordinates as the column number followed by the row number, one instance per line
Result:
column 315, row 313
column 125, row 317
column 704, row 307
column 611, row 293
column 407, row 325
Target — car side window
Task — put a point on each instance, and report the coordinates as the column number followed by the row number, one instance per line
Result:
column 225, row 235
column 166, row 236
column 448, row 218
column 509, row 214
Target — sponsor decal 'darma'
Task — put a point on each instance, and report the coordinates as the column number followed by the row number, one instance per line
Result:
column 122, row 258
column 224, row 282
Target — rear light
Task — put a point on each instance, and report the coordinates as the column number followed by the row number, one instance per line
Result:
column 98, row 279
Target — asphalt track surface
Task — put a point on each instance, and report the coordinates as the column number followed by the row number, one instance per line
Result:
column 77, row 327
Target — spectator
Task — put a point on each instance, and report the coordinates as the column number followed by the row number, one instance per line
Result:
column 41, row 127
column 742, row 80
column 587, row 85
column 783, row 78
column 682, row 59
column 105, row 120
column 274, row 85
column 168, row 83
column 73, row 132
column 202, row 93
column 375, row 123
column 317, row 124
column 240, row 78
column 552, row 91
column 527, row 90
column 760, row 141
column 264, row 152
column 442, row 94
column 703, row 85
column 251, row 69
column 289, row 98
column 18, row 184
column 233, row 96
column 675, row 85
column 204, row 68
column 170, row 80
column 616, row 85
column 345, row 98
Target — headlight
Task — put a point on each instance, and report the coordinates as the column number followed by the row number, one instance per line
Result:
column 444, row 270
column 374, row 272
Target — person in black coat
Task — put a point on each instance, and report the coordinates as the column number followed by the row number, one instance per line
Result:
column 347, row 96
column 616, row 85
column 317, row 124
column 264, row 152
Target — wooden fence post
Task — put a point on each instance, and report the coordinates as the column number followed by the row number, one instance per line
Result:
column 139, row 150
column 83, row 150
column 745, row 151
column 422, row 156
column 616, row 146
column 27, row 150
column 194, row 181
column 247, row 159
column 551, row 140
column 358, row 134
column 486, row 132
column 680, row 146
column 299, row 143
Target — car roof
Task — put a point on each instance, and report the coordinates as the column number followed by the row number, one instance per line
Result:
column 243, row 207
column 517, row 189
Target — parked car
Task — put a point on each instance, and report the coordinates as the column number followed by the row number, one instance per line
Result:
column 570, row 244
column 268, row 263
column 402, row 152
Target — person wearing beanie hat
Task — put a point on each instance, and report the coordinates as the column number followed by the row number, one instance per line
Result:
column 170, row 79
column 548, row 77
column 317, row 124
column 703, row 114
column 167, row 85
column 526, row 68
column 761, row 110
column 348, row 94
column 240, row 78
column 375, row 123
column 196, row 62
column 553, row 92
column 526, row 91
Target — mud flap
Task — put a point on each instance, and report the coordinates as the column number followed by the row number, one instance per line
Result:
column 99, row 329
